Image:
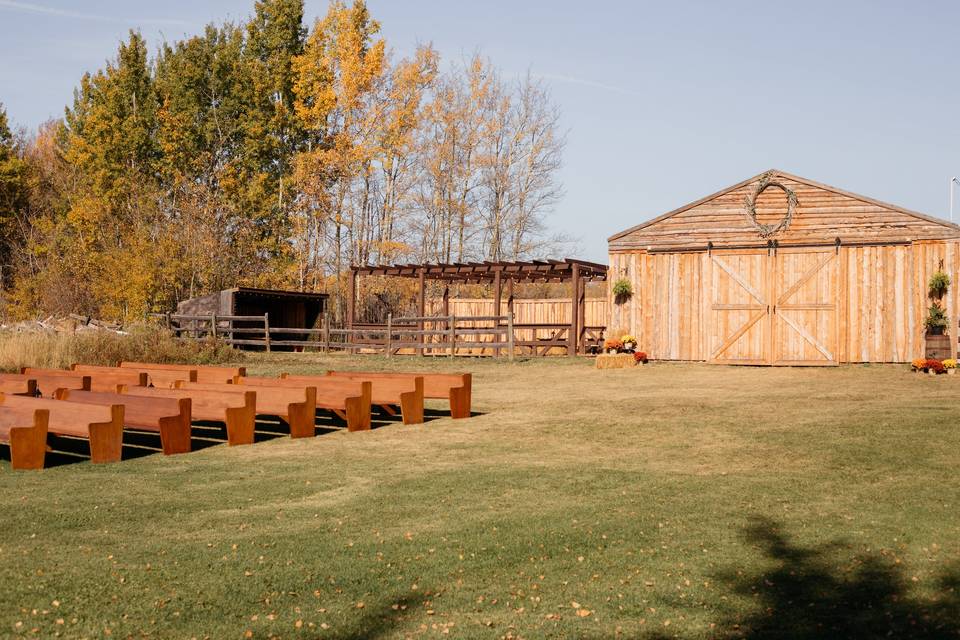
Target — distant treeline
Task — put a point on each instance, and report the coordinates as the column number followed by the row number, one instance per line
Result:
column 270, row 154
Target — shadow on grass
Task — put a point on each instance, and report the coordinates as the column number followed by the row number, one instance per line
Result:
column 809, row 593
column 381, row 621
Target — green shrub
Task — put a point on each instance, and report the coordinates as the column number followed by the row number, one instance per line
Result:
column 938, row 285
column 140, row 343
column 622, row 289
column 936, row 317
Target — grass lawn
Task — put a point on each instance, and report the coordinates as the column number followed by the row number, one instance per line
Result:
column 669, row 501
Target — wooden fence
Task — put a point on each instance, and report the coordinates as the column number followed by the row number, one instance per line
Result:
column 428, row 335
column 542, row 325
column 528, row 310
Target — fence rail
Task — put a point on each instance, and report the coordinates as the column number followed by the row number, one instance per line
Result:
column 451, row 335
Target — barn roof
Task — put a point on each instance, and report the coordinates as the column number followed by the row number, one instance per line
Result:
column 947, row 229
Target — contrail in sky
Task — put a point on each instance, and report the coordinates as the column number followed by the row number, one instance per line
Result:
column 30, row 7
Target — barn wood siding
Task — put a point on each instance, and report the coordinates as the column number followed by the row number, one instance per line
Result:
column 820, row 216
column 880, row 292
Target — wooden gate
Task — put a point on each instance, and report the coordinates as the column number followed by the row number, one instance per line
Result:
column 773, row 307
column 804, row 312
column 739, row 307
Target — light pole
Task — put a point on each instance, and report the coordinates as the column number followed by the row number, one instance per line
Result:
column 953, row 180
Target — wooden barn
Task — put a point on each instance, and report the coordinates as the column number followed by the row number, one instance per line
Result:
column 781, row 270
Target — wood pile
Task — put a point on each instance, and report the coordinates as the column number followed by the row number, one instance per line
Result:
column 69, row 324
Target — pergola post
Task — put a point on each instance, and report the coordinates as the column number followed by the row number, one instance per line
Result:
column 351, row 299
column 446, row 314
column 574, row 332
column 422, row 304
column 582, row 315
column 497, row 295
column 510, row 295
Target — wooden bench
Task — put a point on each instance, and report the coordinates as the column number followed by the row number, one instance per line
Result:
column 170, row 417
column 164, row 378
column 26, row 386
column 205, row 373
column 296, row 406
column 107, row 379
column 350, row 401
column 236, row 411
column 26, row 434
column 455, row 387
column 47, row 384
column 101, row 426
column 99, row 380
column 405, row 392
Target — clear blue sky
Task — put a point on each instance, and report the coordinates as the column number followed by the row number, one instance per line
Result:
column 664, row 102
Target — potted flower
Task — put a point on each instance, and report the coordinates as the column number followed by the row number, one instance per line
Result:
column 919, row 365
column 950, row 365
column 613, row 345
column 936, row 319
column 629, row 343
column 640, row 357
column 936, row 316
column 935, row 367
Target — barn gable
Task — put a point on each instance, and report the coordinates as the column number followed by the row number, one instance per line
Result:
column 821, row 215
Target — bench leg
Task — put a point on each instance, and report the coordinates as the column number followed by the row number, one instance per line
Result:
column 175, row 434
column 460, row 402
column 28, row 447
column 411, row 408
column 241, row 422
column 302, row 417
column 357, row 419
column 106, row 440
column 411, row 403
column 389, row 409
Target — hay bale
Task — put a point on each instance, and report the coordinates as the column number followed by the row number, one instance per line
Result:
column 615, row 361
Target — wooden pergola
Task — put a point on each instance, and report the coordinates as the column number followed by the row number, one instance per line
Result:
column 576, row 272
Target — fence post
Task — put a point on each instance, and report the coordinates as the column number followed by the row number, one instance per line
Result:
column 389, row 338
column 452, row 320
column 510, row 335
column 266, row 331
column 167, row 318
column 213, row 326
column 326, row 332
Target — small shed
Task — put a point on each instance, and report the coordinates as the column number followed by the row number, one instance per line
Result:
column 782, row 270
column 285, row 309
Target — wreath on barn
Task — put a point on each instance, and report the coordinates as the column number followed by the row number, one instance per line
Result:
column 750, row 205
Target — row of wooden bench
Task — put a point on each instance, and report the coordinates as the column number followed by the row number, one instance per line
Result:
column 96, row 403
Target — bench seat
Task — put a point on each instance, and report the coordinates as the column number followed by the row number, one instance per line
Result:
column 48, row 383
column 170, row 417
column 295, row 406
column 350, row 400
column 101, row 426
column 404, row 392
column 455, row 387
column 205, row 373
column 236, row 411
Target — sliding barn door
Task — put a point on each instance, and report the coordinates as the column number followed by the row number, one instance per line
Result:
column 777, row 307
column 805, row 311
column 739, row 307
